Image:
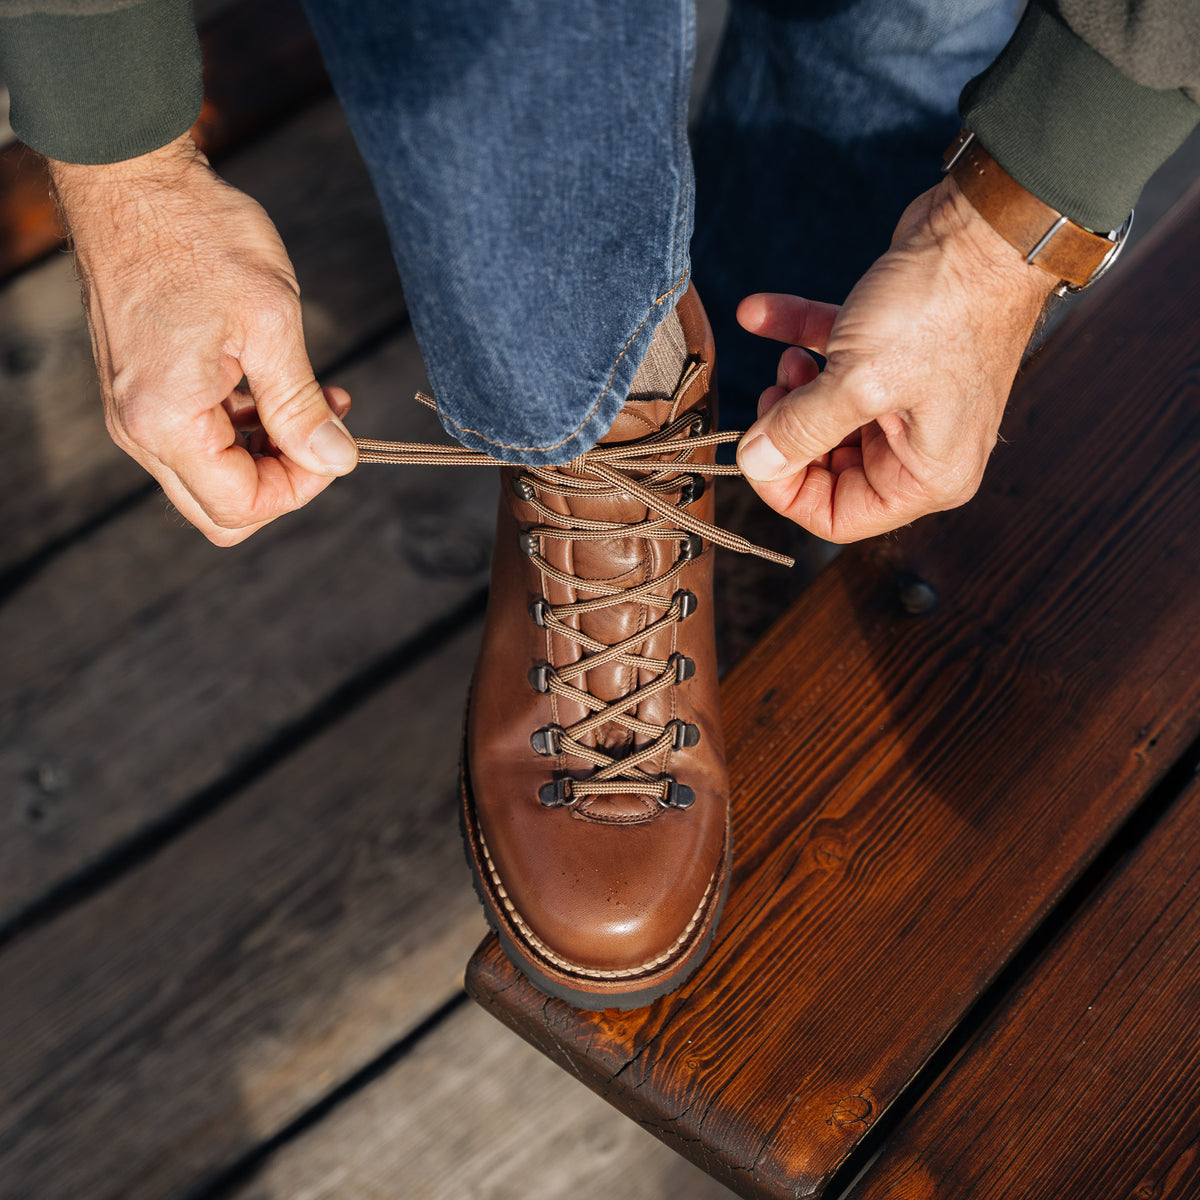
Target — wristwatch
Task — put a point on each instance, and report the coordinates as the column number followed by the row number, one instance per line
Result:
column 1047, row 239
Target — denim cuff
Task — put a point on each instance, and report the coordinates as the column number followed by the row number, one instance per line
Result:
column 106, row 86
column 1069, row 126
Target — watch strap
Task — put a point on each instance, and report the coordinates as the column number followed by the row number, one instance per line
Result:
column 1043, row 235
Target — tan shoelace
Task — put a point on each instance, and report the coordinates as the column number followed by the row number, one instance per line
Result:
column 664, row 461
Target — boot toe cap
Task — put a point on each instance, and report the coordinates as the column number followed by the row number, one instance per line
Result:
column 611, row 901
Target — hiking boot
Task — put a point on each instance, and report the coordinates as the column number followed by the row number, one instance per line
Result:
column 595, row 797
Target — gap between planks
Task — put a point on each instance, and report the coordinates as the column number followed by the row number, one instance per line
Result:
column 65, row 469
column 167, row 1026
column 152, row 665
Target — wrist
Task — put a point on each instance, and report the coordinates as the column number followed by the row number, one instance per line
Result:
column 991, row 261
column 90, row 195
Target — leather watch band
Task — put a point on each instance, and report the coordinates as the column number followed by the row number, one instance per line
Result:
column 1043, row 235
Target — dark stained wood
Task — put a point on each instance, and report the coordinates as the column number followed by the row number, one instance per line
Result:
column 174, row 1021
column 913, row 793
column 1087, row 1081
column 144, row 665
column 64, row 469
column 260, row 62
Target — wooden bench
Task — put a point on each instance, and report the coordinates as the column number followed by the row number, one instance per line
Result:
column 937, row 755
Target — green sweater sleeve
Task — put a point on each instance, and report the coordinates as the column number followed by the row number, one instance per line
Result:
column 1070, row 126
column 97, row 81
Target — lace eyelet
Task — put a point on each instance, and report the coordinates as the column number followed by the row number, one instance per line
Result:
column 678, row 795
column 557, row 793
column 692, row 490
column 687, row 603
column 685, row 668
column 546, row 740
column 685, row 735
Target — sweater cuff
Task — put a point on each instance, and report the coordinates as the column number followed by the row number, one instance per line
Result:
column 103, row 87
column 1069, row 126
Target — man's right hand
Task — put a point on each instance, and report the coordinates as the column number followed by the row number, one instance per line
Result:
column 188, row 289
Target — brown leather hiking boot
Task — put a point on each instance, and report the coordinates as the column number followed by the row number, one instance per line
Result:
column 595, row 798
column 595, row 801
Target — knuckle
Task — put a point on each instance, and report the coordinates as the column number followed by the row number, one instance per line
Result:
column 792, row 427
column 134, row 421
column 867, row 396
column 290, row 409
column 277, row 313
column 225, row 538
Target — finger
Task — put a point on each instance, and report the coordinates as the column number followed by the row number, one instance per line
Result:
column 186, row 505
column 233, row 488
column 770, row 398
column 856, row 491
column 797, row 429
column 338, row 399
column 790, row 319
column 291, row 404
column 796, row 368
column 243, row 412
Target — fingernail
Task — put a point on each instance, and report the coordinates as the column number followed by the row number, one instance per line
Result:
column 759, row 459
column 333, row 446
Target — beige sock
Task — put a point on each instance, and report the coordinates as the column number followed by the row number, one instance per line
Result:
column 662, row 368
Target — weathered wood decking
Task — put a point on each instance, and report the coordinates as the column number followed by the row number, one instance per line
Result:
column 233, row 910
column 233, row 906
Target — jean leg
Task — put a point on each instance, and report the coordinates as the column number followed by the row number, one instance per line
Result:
column 823, row 119
column 532, row 162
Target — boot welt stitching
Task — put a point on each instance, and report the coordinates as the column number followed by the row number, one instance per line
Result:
column 624, row 973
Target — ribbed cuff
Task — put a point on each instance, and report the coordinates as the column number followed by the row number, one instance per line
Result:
column 103, row 87
column 1069, row 126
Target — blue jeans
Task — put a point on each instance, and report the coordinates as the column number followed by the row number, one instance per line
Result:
column 532, row 161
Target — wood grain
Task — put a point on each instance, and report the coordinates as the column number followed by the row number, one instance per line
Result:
column 143, row 665
column 173, row 1022
column 913, row 793
column 473, row 1111
column 1087, row 1081
column 260, row 62
column 63, row 469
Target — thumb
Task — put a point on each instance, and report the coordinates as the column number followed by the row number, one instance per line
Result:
column 294, row 411
column 797, row 430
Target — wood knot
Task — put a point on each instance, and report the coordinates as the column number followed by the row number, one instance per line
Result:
column 852, row 1110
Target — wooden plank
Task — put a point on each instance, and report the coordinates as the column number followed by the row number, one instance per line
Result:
column 168, row 1025
column 473, row 1112
column 144, row 664
column 260, row 62
column 63, row 467
column 1087, row 1080
column 914, row 793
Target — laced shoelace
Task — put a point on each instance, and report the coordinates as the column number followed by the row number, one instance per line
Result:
column 658, row 470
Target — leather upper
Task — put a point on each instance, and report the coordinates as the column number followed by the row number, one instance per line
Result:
column 613, row 882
